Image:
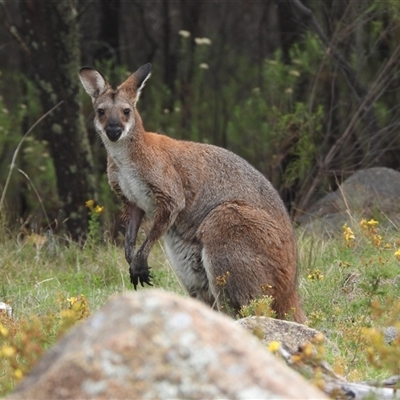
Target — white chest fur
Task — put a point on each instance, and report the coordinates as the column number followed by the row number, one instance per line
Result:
column 132, row 185
column 136, row 190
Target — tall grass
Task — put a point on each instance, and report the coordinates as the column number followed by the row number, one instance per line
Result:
column 38, row 270
column 349, row 286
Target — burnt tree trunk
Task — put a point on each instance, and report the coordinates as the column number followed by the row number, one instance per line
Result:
column 51, row 33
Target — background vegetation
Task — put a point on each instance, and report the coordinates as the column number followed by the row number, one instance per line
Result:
column 305, row 91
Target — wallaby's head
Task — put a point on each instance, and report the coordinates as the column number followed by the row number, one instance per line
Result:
column 114, row 108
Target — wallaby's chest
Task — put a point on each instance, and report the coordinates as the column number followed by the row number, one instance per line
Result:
column 126, row 174
column 135, row 189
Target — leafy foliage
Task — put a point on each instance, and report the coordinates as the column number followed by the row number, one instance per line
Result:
column 298, row 116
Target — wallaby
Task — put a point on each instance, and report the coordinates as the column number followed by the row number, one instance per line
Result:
column 225, row 228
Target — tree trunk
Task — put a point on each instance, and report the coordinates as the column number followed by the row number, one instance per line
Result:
column 52, row 36
column 109, row 31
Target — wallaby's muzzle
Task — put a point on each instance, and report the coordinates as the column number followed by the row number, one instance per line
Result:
column 113, row 132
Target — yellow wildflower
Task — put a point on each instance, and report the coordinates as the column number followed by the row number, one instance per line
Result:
column 319, row 338
column 7, row 351
column 274, row 346
column 348, row 235
column 377, row 240
column 370, row 230
column 397, row 254
column 18, row 374
column 345, row 264
column 78, row 306
column 98, row 209
column 72, row 301
column 67, row 314
column 89, row 204
column 220, row 280
column 3, row 331
column 296, row 358
column 315, row 275
column 308, row 350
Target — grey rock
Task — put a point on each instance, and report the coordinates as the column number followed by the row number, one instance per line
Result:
column 364, row 194
column 153, row 344
column 390, row 333
column 291, row 334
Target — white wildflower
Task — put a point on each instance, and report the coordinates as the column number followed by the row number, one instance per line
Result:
column 201, row 41
column 184, row 34
column 294, row 72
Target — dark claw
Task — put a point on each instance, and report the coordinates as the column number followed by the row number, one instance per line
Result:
column 142, row 277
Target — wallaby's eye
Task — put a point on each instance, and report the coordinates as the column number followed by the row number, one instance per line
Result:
column 127, row 111
column 100, row 111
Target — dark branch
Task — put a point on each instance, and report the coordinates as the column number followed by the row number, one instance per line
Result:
column 12, row 29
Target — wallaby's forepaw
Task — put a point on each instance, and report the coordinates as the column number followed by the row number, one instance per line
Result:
column 141, row 276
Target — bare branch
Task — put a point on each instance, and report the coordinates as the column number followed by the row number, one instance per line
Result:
column 373, row 95
column 367, row 99
column 12, row 29
column 350, row 75
column 84, row 9
column 37, row 195
column 12, row 165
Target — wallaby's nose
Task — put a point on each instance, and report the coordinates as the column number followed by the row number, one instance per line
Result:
column 113, row 132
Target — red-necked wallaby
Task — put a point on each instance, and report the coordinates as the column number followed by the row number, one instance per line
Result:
column 225, row 228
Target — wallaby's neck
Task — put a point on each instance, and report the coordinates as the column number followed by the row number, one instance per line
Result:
column 126, row 150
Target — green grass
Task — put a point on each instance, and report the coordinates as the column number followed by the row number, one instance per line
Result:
column 34, row 279
column 359, row 289
column 347, row 285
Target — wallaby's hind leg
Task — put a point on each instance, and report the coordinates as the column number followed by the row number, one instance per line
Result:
column 247, row 253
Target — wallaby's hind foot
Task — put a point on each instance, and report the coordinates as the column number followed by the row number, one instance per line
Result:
column 249, row 252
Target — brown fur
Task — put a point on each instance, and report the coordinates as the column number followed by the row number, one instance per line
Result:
column 226, row 230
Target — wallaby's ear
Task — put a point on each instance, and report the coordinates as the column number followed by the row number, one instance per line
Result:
column 93, row 82
column 135, row 83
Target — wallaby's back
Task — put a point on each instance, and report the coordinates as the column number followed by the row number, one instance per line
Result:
column 212, row 175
